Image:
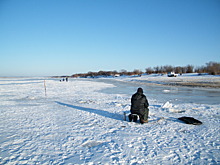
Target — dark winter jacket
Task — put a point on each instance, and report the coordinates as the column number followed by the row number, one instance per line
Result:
column 139, row 103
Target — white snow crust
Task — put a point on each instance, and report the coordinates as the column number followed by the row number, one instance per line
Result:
column 77, row 123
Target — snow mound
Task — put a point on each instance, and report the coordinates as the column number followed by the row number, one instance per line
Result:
column 167, row 105
column 91, row 143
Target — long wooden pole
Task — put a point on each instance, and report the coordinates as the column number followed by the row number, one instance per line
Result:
column 45, row 88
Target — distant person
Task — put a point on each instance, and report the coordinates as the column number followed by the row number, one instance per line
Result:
column 139, row 106
column 66, row 79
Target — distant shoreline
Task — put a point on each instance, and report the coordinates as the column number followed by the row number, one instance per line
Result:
column 192, row 84
column 184, row 81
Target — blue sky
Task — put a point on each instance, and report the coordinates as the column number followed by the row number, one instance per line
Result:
column 63, row 37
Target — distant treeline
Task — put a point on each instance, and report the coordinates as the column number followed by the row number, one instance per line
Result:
column 212, row 68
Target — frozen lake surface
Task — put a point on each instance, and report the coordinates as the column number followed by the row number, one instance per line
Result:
column 173, row 94
column 165, row 93
column 81, row 122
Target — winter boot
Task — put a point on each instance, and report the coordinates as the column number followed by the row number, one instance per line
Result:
column 142, row 121
column 130, row 117
column 135, row 118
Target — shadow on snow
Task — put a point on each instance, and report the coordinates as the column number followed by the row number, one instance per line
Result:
column 110, row 115
column 96, row 111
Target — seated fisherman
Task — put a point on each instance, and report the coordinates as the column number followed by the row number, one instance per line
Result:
column 139, row 106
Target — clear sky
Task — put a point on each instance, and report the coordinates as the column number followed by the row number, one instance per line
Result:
column 63, row 37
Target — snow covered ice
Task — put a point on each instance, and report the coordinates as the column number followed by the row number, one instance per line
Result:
column 78, row 122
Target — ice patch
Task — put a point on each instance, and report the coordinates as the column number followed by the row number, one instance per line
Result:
column 167, row 105
column 91, row 143
column 30, row 97
column 166, row 91
column 116, row 104
column 176, row 110
column 86, row 101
